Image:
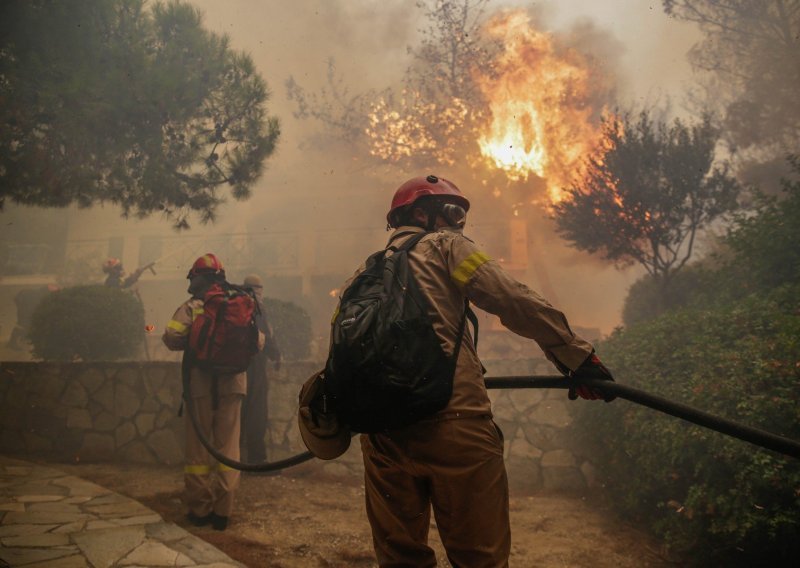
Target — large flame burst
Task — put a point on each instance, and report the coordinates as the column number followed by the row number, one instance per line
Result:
column 539, row 105
column 534, row 115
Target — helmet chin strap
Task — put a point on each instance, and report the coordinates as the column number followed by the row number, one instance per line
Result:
column 431, row 222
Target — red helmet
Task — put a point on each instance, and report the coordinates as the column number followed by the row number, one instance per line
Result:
column 207, row 264
column 112, row 264
column 418, row 187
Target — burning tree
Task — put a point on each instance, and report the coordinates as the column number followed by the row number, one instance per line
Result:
column 104, row 101
column 436, row 110
column 645, row 196
column 490, row 93
column 435, row 118
column 544, row 103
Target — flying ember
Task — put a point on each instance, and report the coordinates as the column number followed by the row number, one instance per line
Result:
column 539, row 105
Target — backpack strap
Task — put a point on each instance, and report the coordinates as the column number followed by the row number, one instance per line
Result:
column 473, row 319
column 461, row 328
column 468, row 313
column 409, row 242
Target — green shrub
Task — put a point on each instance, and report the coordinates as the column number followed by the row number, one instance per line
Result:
column 766, row 245
column 760, row 252
column 646, row 301
column 709, row 496
column 88, row 323
column 292, row 327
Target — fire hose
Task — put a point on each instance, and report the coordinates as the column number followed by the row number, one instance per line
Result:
column 762, row 438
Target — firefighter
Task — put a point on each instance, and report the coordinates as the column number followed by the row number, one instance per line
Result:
column 116, row 274
column 453, row 460
column 254, row 409
column 217, row 400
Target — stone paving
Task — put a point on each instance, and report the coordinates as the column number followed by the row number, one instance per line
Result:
column 49, row 519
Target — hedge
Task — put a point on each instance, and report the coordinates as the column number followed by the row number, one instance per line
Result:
column 89, row 323
column 710, row 497
column 291, row 326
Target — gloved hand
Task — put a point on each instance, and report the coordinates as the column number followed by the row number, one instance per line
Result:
column 592, row 368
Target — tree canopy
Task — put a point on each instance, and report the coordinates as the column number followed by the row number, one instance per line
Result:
column 430, row 117
column 645, row 197
column 105, row 101
column 748, row 71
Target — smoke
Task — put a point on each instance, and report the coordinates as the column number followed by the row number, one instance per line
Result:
column 329, row 200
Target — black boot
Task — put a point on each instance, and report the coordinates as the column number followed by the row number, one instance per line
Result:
column 200, row 521
column 218, row 522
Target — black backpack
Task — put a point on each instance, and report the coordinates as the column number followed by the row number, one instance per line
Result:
column 386, row 368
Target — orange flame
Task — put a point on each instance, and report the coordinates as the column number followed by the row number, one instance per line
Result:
column 538, row 99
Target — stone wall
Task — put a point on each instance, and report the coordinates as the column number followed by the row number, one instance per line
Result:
column 92, row 411
column 127, row 411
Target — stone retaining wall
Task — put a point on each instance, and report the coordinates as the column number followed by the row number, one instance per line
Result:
column 92, row 411
column 127, row 411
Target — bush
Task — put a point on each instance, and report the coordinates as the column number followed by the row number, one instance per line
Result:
column 765, row 245
column 710, row 497
column 646, row 301
column 292, row 327
column 88, row 323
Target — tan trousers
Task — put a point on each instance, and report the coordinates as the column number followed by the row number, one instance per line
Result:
column 211, row 489
column 457, row 467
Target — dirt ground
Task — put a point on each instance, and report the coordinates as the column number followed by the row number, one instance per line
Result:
column 298, row 519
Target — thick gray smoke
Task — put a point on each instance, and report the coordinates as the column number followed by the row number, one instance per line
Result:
column 320, row 207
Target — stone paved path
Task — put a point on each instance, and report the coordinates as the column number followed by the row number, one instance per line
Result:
column 49, row 519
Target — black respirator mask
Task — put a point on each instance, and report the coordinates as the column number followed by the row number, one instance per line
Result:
column 454, row 215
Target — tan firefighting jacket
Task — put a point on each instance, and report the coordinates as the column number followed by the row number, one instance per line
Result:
column 449, row 267
column 176, row 338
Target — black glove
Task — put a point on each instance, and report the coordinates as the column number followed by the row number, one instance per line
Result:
column 592, row 368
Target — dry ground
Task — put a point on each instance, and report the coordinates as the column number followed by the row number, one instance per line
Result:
column 299, row 519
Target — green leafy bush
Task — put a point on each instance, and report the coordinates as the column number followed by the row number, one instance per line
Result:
column 88, row 323
column 728, row 343
column 766, row 245
column 708, row 496
column 760, row 252
column 646, row 300
column 292, row 327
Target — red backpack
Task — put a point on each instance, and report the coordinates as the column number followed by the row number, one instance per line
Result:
column 224, row 336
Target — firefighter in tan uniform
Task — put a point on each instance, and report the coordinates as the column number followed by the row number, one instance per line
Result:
column 209, row 491
column 452, row 461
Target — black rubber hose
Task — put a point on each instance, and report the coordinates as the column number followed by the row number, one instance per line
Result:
column 220, row 457
column 768, row 440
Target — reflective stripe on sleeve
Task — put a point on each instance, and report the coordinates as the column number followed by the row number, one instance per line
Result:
column 196, row 312
column 196, row 469
column 178, row 327
column 463, row 273
column 223, row 467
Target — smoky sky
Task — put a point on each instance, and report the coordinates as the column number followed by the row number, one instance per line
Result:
column 306, row 187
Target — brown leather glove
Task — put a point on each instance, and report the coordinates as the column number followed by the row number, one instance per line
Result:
column 592, row 368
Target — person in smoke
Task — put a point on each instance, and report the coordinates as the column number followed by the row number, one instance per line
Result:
column 217, row 400
column 451, row 461
column 116, row 274
column 254, row 409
